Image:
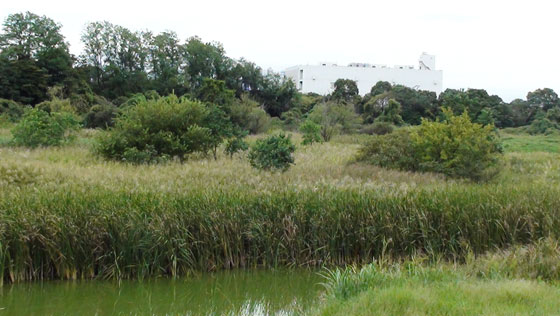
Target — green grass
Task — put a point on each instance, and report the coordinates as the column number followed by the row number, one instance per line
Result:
column 451, row 296
column 531, row 143
column 507, row 282
column 66, row 214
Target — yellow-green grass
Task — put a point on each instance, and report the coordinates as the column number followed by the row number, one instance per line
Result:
column 509, row 282
column 65, row 213
column 531, row 143
column 417, row 296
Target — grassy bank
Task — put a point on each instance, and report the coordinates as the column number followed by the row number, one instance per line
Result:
column 509, row 282
column 67, row 214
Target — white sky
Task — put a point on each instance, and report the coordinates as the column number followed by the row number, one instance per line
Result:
column 506, row 47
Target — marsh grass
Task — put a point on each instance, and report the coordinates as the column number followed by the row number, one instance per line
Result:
column 65, row 214
column 504, row 282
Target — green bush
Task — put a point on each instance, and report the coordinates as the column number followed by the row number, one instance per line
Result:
column 101, row 116
column 311, row 132
column 542, row 124
column 10, row 110
column 454, row 146
column 236, row 144
column 378, row 128
column 158, row 129
column 247, row 114
column 394, row 150
column 335, row 118
column 391, row 114
column 39, row 128
column 457, row 147
column 272, row 153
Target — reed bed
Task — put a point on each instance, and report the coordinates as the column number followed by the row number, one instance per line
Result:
column 65, row 214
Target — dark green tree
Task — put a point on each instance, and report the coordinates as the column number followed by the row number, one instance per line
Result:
column 544, row 99
column 345, row 90
column 380, row 87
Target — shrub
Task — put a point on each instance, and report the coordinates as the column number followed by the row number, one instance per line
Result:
column 378, row 128
column 235, row 145
column 457, row 147
column 391, row 114
column 158, row 129
column 56, row 105
column 101, row 116
column 335, row 118
column 395, row 151
column 39, row 128
column 454, row 146
column 272, row 153
column 247, row 114
column 542, row 124
column 311, row 132
column 11, row 110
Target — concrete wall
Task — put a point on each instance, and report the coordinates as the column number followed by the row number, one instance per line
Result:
column 320, row 79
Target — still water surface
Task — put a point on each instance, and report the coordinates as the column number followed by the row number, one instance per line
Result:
column 254, row 292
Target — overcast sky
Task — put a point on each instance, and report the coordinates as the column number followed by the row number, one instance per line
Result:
column 506, row 47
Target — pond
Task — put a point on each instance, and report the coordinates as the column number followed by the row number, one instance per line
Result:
column 241, row 292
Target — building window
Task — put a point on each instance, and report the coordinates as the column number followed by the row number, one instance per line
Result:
column 301, row 85
column 301, row 74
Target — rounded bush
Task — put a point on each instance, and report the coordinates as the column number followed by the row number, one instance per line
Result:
column 158, row 129
column 272, row 153
column 39, row 128
column 11, row 110
column 378, row 128
column 454, row 146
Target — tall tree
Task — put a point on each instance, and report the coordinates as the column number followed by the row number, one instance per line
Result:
column 544, row 99
column 345, row 90
column 34, row 55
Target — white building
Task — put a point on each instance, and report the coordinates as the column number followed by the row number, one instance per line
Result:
column 320, row 78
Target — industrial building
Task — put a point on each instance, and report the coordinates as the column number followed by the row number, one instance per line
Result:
column 321, row 78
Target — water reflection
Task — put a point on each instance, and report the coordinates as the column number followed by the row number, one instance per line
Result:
column 255, row 292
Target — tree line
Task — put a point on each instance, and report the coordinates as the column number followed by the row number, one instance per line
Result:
column 118, row 66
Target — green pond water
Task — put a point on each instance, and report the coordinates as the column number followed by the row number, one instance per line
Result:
column 253, row 292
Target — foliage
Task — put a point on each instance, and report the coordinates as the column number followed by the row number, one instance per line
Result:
column 395, row 150
column 34, row 56
column 247, row 115
column 277, row 94
column 39, row 128
column 11, row 110
column 159, row 129
column 483, row 108
column 219, row 126
column 415, row 104
column 101, row 116
column 215, row 92
column 334, row 118
column 391, row 113
column 542, row 124
column 380, row 87
column 311, row 132
column 236, row 144
column 543, row 99
column 457, row 147
column 553, row 114
column 272, row 153
column 345, row 90
column 56, row 105
column 22, row 80
column 378, row 128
